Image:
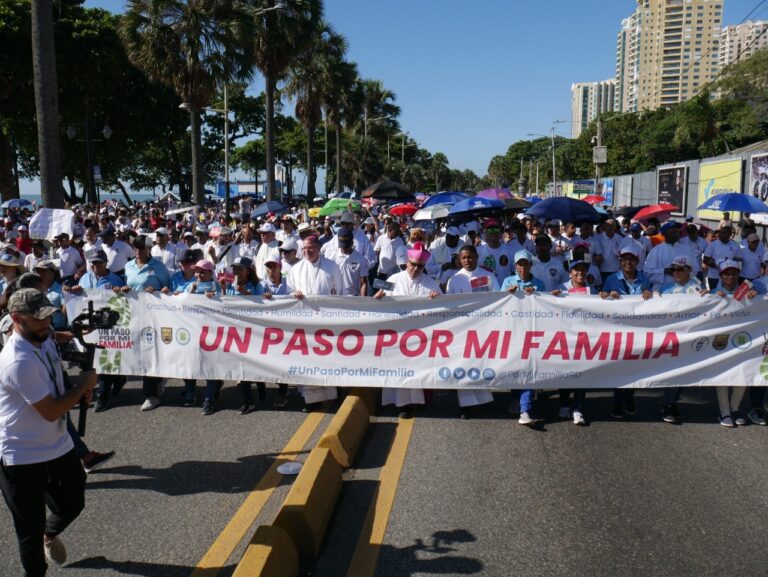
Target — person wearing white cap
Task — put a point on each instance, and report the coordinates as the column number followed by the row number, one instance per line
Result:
column 362, row 244
column 471, row 278
column 289, row 252
column 165, row 251
column 658, row 264
column 442, row 251
column 753, row 254
column 267, row 249
column 118, row 252
column 729, row 398
column 315, row 275
column 628, row 281
column 72, row 265
column 719, row 250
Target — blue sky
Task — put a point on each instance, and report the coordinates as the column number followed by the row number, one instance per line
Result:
column 472, row 77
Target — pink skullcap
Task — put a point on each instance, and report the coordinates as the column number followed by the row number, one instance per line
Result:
column 418, row 253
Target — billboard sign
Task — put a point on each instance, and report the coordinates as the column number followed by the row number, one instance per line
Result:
column 758, row 182
column 718, row 178
column 605, row 189
column 672, row 186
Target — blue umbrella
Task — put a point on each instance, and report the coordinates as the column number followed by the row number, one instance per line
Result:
column 448, row 198
column 533, row 199
column 16, row 203
column 565, row 209
column 265, row 208
column 475, row 206
column 734, row 202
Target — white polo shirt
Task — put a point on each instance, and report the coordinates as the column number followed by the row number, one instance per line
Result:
column 27, row 376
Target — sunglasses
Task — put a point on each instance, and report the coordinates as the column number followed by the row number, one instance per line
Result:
column 416, row 265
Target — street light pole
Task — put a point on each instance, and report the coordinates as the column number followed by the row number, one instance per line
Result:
column 89, row 152
column 554, row 165
column 227, row 201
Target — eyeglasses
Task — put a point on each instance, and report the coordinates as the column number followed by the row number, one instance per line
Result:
column 416, row 265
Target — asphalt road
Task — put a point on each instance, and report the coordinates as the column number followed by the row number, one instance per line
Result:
column 480, row 497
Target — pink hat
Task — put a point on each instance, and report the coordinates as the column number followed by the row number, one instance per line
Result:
column 205, row 265
column 418, row 253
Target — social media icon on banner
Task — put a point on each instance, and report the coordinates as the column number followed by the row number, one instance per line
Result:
column 459, row 373
column 444, row 373
column 473, row 374
column 489, row 374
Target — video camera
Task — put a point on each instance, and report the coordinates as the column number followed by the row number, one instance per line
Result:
column 84, row 323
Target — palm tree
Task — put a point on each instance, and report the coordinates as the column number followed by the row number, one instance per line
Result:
column 310, row 84
column 193, row 46
column 46, row 103
column 280, row 34
column 339, row 103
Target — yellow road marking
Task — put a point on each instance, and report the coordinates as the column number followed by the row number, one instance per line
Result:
column 371, row 538
column 217, row 555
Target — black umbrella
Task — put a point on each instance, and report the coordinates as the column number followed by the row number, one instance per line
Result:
column 388, row 190
column 629, row 211
column 516, row 203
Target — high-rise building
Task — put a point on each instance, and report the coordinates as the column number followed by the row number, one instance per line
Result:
column 628, row 64
column 667, row 51
column 588, row 100
column 741, row 41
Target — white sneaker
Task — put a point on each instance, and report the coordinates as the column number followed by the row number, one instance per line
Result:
column 739, row 420
column 150, row 403
column 55, row 552
column 578, row 418
column 525, row 419
column 160, row 388
column 565, row 413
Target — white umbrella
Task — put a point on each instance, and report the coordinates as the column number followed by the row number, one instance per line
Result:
column 180, row 210
column 432, row 212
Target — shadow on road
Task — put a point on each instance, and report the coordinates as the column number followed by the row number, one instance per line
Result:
column 697, row 405
column 433, row 558
column 135, row 567
column 189, row 477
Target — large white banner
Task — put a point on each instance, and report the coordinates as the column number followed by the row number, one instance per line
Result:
column 484, row 341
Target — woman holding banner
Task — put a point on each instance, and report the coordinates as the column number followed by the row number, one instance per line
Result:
column 410, row 282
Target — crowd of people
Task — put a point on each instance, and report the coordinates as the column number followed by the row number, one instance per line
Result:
column 159, row 248
column 154, row 248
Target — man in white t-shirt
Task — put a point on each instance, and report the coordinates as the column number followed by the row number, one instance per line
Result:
column 386, row 249
column 719, row 250
column 492, row 253
column 39, row 465
column 72, row 264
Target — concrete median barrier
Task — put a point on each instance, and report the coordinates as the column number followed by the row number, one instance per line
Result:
column 346, row 430
column 271, row 553
column 370, row 396
column 309, row 505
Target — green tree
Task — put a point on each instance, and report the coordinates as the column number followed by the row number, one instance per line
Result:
column 310, row 84
column 193, row 46
column 280, row 34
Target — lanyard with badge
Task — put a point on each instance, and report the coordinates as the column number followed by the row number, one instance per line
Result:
column 51, row 370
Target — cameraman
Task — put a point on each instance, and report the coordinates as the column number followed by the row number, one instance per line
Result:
column 38, row 465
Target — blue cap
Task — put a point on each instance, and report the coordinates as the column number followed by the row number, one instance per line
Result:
column 635, row 226
column 576, row 263
column 669, row 224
